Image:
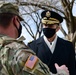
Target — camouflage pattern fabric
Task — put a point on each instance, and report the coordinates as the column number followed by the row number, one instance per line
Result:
column 13, row 57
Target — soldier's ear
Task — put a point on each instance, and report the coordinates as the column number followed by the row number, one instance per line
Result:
column 15, row 20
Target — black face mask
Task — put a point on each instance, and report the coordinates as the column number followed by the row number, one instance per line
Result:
column 49, row 32
column 19, row 30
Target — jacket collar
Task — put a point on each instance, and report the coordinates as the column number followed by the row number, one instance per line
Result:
column 40, row 40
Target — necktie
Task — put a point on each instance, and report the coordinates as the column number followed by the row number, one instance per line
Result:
column 50, row 43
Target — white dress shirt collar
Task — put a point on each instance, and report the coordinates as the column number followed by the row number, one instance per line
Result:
column 51, row 46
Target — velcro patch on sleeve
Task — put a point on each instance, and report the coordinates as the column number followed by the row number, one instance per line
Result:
column 31, row 61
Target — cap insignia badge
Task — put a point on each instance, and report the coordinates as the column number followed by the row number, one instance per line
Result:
column 48, row 14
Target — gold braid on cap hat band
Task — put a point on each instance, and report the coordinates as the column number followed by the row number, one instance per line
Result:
column 50, row 21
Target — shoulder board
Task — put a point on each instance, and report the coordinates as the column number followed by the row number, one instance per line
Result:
column 30, row 41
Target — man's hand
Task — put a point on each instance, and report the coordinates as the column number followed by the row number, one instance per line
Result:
column 62, row 70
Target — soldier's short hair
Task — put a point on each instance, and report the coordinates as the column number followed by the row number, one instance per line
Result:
column 7, row 11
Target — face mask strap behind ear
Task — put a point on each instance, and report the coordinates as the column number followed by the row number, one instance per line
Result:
column 20, row 28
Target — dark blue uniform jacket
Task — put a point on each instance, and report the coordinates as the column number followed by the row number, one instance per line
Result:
column 64, row 53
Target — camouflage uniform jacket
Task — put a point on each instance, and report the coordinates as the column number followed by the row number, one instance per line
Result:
column 17, row 59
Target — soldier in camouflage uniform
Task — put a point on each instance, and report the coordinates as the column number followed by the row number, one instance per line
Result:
column 15, row 57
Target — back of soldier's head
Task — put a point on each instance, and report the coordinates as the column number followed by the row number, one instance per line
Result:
column 7, row 11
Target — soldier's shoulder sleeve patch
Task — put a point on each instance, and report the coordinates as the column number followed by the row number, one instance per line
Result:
column 31, row 61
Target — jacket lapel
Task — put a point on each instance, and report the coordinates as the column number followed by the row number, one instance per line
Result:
column 57, row 51
column 44, row 51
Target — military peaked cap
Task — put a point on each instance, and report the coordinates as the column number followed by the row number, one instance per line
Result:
column 51, row 17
